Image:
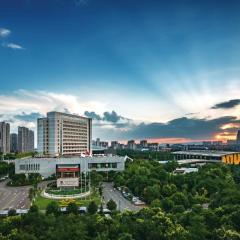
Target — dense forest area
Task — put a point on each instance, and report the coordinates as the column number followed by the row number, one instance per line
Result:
column 194, row 206
column 147, row 155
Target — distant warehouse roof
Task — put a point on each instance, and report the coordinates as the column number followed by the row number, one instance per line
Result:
column 221, row 156
column 205, row 153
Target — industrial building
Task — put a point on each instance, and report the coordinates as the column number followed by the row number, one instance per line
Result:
column 62, row 134
column 211, row 156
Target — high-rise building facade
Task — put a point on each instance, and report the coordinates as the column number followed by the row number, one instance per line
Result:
column 143, row 144
column 13, row 142
column 131, row 145
column 62, row 134
column 238, row 137
column 25, row 140
column 4, row 137
column 114, row 145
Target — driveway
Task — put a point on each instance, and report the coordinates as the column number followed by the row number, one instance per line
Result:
column 122, row 204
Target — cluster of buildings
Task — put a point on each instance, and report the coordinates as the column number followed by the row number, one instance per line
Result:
column 131, row 144
column 65, row 148
column 21, row 142
column 64, row 143
column 144, row 145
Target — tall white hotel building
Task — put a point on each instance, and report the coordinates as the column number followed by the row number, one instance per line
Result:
column 62, row 134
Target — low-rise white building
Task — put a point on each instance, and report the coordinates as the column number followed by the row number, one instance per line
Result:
column 47, row 166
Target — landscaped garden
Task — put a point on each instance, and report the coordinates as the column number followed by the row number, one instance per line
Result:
column 42, row 202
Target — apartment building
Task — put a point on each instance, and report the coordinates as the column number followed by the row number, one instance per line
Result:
column 13, row 142
column 4, row 137
column 25, row 140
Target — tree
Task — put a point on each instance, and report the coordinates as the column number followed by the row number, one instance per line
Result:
column 33, row 209
column 31, row 194
column 156, row 203
column 111, row 205
column 53, row 208
column 12, row 212
column 169, row 189
column 92, row 208
column 100, row 189
column 125, row 236
column 152, row 192
column 167, row 204
column 96, row 178
column 72, row 208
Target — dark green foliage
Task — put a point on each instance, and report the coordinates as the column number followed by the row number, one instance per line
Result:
column 196, row 206
column 92, row 207
column 21, row 179
column 53, row 208
column 206, row 203
column 96, row 178
column 5, row 168
column 72, row 208
column 147, row 155
column 12, row 212
column 111, row 205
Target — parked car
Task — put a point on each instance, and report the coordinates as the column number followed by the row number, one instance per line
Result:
column 82, row 209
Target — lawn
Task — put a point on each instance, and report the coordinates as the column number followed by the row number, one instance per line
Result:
column 42, row 202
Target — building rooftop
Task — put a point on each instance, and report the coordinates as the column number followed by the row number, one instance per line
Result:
column 205, row 153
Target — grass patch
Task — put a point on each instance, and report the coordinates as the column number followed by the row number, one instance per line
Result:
column 65, row 192
column 42, row 202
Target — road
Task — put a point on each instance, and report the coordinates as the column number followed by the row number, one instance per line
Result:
column 13, row 197
column 122, row 204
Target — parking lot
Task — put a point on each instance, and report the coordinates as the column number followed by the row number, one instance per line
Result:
column 13, row 197
column 122, row 204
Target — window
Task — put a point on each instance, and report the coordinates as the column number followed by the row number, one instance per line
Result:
column 22, row 167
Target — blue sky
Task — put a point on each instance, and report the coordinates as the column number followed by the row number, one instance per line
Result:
column 149, row 61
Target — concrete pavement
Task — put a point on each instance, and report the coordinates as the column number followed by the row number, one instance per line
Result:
column 13, row 197
column 122, row 204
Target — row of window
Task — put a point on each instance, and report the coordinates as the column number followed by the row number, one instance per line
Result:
column 30, row 167
column 102, row 165
column 75, row 151
column 184, row 156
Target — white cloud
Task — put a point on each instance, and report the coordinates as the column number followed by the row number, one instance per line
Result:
column 13, row 46
column 27, row 102
column 42, row 102
column 4, row 32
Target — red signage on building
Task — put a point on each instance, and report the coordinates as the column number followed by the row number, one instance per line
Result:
column 68, row 169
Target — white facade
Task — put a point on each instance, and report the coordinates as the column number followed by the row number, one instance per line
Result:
column 47, row 166
column 62, row 134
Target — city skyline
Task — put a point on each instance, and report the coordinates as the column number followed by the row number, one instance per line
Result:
column 160, row 70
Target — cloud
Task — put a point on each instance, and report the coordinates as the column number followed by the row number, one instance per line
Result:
column 13, row 46
column 23, row 107
column 4, row 32
column 111, row 117
column 185, row 128
column 92, row 115
column 28, row 117
column 193, row 128
column 228, row 104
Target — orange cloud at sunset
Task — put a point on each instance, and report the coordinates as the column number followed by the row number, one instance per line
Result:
column 230, row 125
column 224, row 136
